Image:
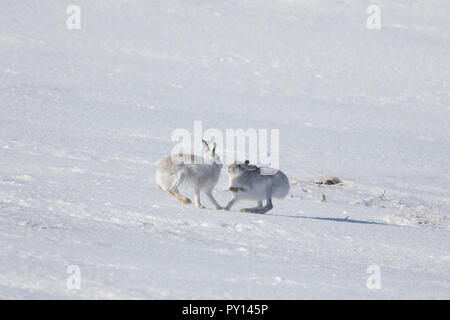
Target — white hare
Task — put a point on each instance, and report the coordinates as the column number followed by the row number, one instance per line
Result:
column 201, row 174
column 247, row 182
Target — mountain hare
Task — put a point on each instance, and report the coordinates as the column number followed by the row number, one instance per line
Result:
column 201, row 174
column 247, row 182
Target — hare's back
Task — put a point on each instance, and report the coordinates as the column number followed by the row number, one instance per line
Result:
column 176, row 162
column 280, row 185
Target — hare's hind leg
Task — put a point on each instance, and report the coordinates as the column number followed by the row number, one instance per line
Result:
column 175, row 193
column 260, row 209
column 267, row 207
column 173, row 190
column 254, row 209
column 269, row 204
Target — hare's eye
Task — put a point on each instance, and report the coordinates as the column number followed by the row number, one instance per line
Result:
column 239, row 165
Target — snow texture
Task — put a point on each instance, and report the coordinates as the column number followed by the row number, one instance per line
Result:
column 86, row 115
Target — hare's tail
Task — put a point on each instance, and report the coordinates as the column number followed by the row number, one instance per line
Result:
column 283, row 186
column 162, row 181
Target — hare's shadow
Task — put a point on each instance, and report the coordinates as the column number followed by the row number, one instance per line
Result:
column 333, row 219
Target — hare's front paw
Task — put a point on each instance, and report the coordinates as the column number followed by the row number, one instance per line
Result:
column 236, row 189
column 200, row 206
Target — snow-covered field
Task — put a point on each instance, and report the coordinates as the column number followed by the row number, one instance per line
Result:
column 85, row 116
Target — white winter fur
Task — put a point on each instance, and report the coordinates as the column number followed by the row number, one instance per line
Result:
column 200, row 174
column 247, row 182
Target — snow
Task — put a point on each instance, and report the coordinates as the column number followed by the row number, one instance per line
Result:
column 87, row 114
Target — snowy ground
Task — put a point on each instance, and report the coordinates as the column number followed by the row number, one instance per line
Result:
column 87, row 114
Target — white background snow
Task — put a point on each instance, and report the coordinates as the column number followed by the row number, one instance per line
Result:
column 85, row 116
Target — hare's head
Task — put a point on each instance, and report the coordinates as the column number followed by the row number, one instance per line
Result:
column 238, row 168
column 209, row 154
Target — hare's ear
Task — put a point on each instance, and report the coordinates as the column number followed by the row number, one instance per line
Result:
column 214, row 148
column 205, row 146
